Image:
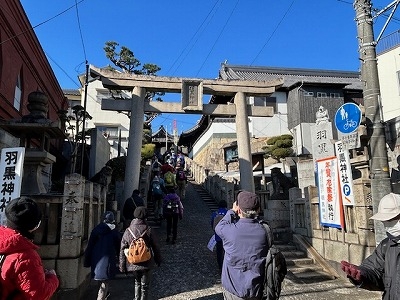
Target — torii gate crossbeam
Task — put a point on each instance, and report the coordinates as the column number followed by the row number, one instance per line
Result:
column 192, row 90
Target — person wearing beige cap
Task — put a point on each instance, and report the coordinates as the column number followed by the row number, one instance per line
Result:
column 381, row 270
column 245, row 243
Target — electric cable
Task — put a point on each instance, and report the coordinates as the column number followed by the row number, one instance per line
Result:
column 220, row 33
column 273, row 32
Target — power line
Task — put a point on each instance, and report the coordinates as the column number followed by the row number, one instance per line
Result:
column 40, row 24
column 80, row 29
column 273, row 32
column 220, row 33
column 193, row 36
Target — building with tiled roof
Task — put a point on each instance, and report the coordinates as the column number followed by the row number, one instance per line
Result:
column 295, row 104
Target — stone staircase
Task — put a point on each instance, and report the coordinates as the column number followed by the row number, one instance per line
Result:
column 303, row 266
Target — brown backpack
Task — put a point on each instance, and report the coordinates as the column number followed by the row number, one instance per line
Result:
column 138, row 250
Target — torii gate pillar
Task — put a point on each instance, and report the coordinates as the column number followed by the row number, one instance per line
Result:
column 243, row 143
column 132, row 168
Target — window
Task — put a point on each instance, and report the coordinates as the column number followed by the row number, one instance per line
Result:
column 398, row 80
column 18, row 93
column 334, row 95
column 309, row 94
column 109, row 132
column 321, row 95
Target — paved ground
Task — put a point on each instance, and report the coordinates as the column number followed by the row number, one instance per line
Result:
column 189, row 270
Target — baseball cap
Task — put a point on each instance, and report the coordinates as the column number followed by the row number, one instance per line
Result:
column 248, row 201
column 388, row 208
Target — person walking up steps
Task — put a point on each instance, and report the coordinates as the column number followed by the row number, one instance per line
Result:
column 173, row 211
column 141, row 271
column 101, row 253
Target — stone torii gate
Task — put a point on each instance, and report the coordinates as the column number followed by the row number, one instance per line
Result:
column 192, row 90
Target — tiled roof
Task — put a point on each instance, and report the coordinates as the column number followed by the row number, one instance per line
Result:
column 292, row 76
column 72, row 92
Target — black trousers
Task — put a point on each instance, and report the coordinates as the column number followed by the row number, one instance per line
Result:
column 172, row 225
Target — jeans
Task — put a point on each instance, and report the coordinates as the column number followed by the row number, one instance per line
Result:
column 142, row 284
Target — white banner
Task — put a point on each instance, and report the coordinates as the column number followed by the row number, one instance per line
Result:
column 11, row 171
column 345, row 175
column 330, row 204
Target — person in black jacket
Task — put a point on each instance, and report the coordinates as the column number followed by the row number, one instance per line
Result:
column 141, row 271
column 380, row 271
column 130, row 205
column 101, row 253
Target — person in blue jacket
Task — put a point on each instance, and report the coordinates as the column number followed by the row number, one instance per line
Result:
column 215, row 217
column 246, row 247
column 101, row 253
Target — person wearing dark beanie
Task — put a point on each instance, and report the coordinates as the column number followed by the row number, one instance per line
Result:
column 23, row 215
column 22, row 275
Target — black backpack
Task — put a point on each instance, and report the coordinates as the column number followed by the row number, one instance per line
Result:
column 275, row 268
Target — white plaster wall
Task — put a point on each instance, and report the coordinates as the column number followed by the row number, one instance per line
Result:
column 105, row 117
column 388, row 66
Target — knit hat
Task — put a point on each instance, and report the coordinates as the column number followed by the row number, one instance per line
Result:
column 23, row 214
column 388, row 208
column 140, row 213
column 248, row 201
column 109, row 217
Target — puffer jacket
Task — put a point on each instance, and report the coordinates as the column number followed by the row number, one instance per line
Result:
column 139, row 226
column 101, row 252
column 22, row 273
column 381, row 270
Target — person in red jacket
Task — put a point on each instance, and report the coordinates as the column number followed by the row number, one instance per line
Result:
column 22, row 274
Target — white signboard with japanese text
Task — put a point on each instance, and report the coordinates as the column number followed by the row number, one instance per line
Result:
column 345, row 175
column 330, row 204
column 11, row 171
column 322, row 140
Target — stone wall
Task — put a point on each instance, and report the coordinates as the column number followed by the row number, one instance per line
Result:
column 211, row 156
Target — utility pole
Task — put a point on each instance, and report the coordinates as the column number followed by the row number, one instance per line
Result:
column 379, row 167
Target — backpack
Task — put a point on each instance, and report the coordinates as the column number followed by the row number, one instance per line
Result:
column 169, row 178
column 217, row 218
column 156, row 188
column 138, row 250
column 275, row 269
column 180, row 175
column 171, row 206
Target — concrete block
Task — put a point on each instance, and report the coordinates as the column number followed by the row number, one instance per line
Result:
column 317, row 233
column 71, row 272
column 363, row 214
column 357, row 253
column 326, row 234
column 48, row 251
column 351, row 238
column 335, row 250
column 366, row 237
column 318, row 245
column 362, row 194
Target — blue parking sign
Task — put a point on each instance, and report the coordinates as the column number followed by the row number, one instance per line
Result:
column 348, row 118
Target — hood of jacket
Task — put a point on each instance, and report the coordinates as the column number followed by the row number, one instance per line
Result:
column 12, row 241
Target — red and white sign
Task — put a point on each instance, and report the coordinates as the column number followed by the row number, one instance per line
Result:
column 330, row 202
